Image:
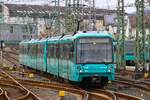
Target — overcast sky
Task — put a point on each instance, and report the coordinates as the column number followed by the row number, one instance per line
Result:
column 108, row 4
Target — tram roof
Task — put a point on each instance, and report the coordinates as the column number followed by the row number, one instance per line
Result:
column 87, row 34
column 79, row 34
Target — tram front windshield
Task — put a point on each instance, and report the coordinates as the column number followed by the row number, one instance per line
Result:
column 94, row 50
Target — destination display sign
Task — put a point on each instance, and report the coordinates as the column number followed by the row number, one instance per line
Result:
column 94, row 40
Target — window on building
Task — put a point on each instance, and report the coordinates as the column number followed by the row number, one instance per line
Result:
column 23, row 29
column 11, row 29
column 1, row 8
column 31, row 29
column 26, row 28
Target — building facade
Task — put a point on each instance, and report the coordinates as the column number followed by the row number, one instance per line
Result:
column 34, row 19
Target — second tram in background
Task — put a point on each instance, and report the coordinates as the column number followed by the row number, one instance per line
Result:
column 130, row 52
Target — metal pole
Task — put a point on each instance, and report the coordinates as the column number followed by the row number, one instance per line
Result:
column 121, row 35
column 1, row 54
column 149, row 49
column 94, row 15
column 140, row 36
column 149, row 44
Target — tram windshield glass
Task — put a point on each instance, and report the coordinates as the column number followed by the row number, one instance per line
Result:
column 94, row 50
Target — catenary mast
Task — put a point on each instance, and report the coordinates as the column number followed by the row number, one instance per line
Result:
column 120, row 35
column 140, row 36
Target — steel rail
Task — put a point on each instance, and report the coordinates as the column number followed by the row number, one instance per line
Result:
column 6, row 95
column 133, row 80
column 122, row 96
column 132, row 83
column 109, row 93
column 8, row 59
column 27, row 94
column 17, row 83
column 116, row 95
column 7, row 54
column 11, row 52
column 97, row 93
column 24, row 97
column 3, row 95
column 86, row 95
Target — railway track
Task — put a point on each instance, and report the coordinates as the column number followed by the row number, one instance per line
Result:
column 26, row 94
column 11, row 52
column 117, row 95
column 86, row 95
column 98, row 94
column 4, row 95
column 135, row 83
column 11, row 58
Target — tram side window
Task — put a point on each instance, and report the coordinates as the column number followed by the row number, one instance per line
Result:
column 50, row 52
column 49, row 56
column 64, row 52
column 61, row 51
column 30, row 50
column 34, row 50
column 20, row 49
column 71, row 51
column 56, row 51
column 27, row 49
column 39, row 50
column 53, row 53
column 67, row 51
column 24, row 50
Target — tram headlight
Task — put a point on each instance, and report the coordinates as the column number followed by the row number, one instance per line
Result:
column 80, row 71
column 110, row 68
column 115, row 66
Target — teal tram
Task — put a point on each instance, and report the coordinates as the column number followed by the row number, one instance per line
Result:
column 82, row 57
column 130, row 52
